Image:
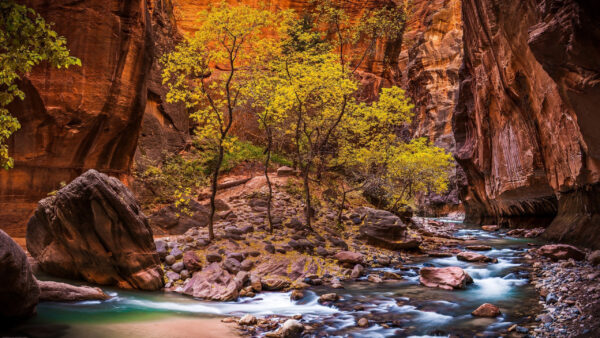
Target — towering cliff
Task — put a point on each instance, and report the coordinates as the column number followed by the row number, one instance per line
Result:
column 83, row 117
column 430, row 59
column 525, row 128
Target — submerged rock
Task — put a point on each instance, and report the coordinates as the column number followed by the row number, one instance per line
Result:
column 19, row 290
column 62, row 292
column 94, row 230
column 487, row 310
column 561, row 251
column 479, row 247
column 468, row 256
column 445, row 278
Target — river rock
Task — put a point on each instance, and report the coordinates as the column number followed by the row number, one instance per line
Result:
column 161, row 248
column 384, row 229
column 248, row 320
column 213, row 257
column 296, row 295
column 594, row 257
column 275, row 284
column 232, row 265
column 212, row 283
column 490, row 227
column 170, row 260
column 448, row 278
column 357, row 271
column 94, row 230
column 363, row 322
column 290, row 329
column 349, row 257
column 178, row 267
column 329, row 297
column 174, row 221
column 191, row 261
column 19, row 290
column 487, row 310
column 61, row 292
column 561, row 251
column 468, row 256
column 374, row 279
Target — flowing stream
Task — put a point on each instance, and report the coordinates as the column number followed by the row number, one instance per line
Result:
column 405, row 308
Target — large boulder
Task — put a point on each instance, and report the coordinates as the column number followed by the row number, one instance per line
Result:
column 445, row 278
column 62, row 292
column 213, row 283
column 174, row 221
column 384, row 229
column 19, row 291
column 558, row 252
column 350, row 257
column 94, row 230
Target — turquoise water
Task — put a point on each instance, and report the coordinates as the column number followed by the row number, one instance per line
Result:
column 407, row 308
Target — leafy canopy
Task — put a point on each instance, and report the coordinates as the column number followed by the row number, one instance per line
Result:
column 25, row 41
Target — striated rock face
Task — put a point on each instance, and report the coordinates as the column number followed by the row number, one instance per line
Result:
column 19, row 290
column 94, row 230
column 165, row 126
column 523, row 124
column 83, row 117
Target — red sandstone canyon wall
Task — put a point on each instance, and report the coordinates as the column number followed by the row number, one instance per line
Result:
column 526, row 123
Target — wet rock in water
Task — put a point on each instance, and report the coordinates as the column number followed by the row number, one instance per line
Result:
column 490, row 227
column 213, row 257
column 363, row 322
column 191, row 261
column 440, row 254
column 175, row 222
column 285, row 171
column 374, row 279
column 561, row 251
column 61, row 292
column 349, row 257
column 290, row 329
column 177, row 267
column 296, row 295
column 357, row 271
column 392, row 275
column 248, row 320
column 487, row 310
column 384, row 229
column 275, row 284
column 212, row 283
column 594, row 257
column 19, row 290
column 479, row 247
column 448, row 278
column 468, row 256
column 109, row 241
column 329, row 297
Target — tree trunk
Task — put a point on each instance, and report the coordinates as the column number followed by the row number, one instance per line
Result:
column 307, row 193
column 339, row 218
column 270, row 196
column 213, row 193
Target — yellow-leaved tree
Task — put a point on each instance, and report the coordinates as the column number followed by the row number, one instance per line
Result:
column 210, row 72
